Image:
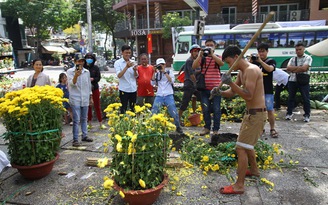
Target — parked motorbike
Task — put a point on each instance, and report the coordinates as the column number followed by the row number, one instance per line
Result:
column 68, row 64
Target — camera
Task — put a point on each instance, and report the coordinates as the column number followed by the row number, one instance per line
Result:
column 206, row 51
column 77, row 67
column 254, row 56
column 159, row 67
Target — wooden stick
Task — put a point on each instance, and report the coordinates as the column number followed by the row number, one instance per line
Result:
column 268, row 18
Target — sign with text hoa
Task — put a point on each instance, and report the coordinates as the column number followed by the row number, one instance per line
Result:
column 203, row 4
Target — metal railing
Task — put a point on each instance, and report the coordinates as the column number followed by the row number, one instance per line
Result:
column 214, row 19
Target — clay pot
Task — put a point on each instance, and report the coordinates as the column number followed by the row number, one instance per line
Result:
column 194, row 119
column 142, row 197
column 37, row 171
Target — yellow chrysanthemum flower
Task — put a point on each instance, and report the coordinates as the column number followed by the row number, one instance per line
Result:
column 142, row 183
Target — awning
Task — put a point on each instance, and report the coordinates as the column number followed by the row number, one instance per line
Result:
column 53, row 49
column 5, row 40
column 69, row 50
column 319, row 49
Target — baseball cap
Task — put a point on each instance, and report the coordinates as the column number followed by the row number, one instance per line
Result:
column 194, row 46
column 160, row 61
column 78, row 57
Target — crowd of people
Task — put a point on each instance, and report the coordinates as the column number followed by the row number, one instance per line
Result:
column 143, row 83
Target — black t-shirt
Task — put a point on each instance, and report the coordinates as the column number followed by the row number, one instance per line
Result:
column 267, row 76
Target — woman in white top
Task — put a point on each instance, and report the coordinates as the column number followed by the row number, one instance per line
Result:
column 38, row 78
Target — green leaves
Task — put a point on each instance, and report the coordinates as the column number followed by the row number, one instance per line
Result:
column 174, row 20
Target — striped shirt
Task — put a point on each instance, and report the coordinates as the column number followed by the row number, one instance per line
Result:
column 212, row 76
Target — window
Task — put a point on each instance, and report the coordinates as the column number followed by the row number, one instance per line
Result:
column 229, row 15
column 185, row 13
column 323, row 5
column 281, row 11
column 183, row 47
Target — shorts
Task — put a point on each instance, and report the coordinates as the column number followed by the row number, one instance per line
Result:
column 188, row 94
column 66, row 105
column 269, row 102
column 251, row 129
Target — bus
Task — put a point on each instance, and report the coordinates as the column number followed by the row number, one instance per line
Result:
column 281, row 41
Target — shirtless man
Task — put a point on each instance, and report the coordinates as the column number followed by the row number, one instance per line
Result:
column 249, row 86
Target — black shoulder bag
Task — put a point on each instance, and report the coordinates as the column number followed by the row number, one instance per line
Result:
column 200, row 81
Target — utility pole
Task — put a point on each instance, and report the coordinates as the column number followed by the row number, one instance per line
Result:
column 148, row 32
column 90, row 49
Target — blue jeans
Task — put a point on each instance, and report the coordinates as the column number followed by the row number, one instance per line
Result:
column 79, row 114
column 305, row 93
column 167, row 101
column 209, row 106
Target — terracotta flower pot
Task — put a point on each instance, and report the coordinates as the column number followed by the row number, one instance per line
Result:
column 37, row 171
column 142, row 197
column 194, row 119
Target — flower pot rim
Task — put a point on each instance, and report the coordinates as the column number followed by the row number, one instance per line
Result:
column 135, row 192
column 35, row 165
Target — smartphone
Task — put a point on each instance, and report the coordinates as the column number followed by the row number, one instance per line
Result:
column 77, row 67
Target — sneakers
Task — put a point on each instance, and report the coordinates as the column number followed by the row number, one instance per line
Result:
column 289, row 117
column 306, row 119
column 87, row 139
column 179, row 130
column 76, row 144
column 204, row 132
column 89, row 127
column 103, row 127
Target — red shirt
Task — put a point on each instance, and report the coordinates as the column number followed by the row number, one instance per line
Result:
column 212, row 76
column 143, row 81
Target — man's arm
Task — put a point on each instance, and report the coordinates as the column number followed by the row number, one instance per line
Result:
column 196, row 62
column 217, row 59
column 297, row 69
column 268, row 67
column 248, row 89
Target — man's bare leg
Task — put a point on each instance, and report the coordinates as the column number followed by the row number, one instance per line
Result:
column 252, row 162
column 241, row 170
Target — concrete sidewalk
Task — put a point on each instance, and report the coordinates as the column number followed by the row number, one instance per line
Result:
column 304, row 142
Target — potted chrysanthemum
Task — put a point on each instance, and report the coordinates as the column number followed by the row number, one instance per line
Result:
column 32, row 117
column 140, row 144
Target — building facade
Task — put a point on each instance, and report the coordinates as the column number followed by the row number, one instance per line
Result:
column 233, row 12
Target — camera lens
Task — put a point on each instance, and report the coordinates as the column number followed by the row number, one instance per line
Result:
column 158, row 67
column 254, row 58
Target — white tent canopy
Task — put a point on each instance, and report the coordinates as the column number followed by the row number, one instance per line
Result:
column 319, row 49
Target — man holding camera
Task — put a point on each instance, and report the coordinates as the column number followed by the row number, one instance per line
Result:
column 126, row 71
column 267, row 65
column 163, row 78
column 210, row 67
column 80, row 97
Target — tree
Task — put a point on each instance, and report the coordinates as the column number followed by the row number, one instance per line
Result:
column 174, row 20
column 42, row 17
column 105, row 18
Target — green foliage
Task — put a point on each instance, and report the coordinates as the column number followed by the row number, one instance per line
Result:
column 42, row 17
column 174, row 20
column 32, row 118
column 108, row 95
column 140, row 146
column 105, row 18
column 224, row 157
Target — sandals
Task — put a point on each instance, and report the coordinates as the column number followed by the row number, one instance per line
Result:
column 273, row 133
